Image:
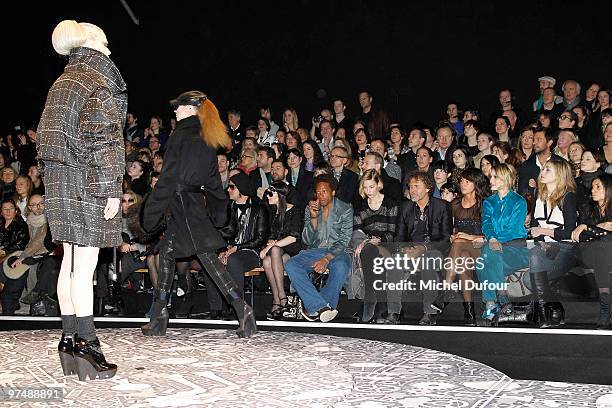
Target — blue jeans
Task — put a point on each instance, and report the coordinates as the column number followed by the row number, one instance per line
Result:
column 300, row 266
column 499, row 264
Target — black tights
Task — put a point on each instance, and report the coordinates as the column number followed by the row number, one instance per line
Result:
column 274, row 267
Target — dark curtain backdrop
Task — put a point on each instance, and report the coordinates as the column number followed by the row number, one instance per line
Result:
column 413, row 56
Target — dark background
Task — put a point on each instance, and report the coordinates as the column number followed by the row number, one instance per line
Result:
column 413, row 56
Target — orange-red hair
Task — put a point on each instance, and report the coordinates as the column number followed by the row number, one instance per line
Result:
column 214, row 133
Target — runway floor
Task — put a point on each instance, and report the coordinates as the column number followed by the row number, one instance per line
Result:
column 214, row 368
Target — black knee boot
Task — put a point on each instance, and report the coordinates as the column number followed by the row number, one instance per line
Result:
column 160, row 316
column 549, row 313
column 228, row 288
column 603, row 323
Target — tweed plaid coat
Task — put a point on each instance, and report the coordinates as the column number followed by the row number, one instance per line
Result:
column 81, row 150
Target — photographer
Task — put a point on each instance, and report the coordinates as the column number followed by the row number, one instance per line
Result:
column 315, row 130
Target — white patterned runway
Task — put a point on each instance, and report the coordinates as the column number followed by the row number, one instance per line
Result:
column 214, row 368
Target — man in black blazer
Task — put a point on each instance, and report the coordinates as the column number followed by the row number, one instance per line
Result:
column 299, row 177
column 348, row 182
column 392, row 188
column 528, row 172
column 424, row 232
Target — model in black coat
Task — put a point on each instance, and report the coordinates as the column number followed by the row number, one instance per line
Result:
column 190, row 189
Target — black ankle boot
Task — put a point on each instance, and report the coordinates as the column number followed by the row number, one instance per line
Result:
column 557, row 313
column 64, row 349
column 158, row 324
column 246, row 319
column 90, row 361
column 469, row 315
column 603, row 323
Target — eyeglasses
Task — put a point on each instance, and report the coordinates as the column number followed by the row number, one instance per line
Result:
column 336, row 156
column 231, row 186
column 566, row 117
column 131, row 200
column 243, row 156
column 34, row 205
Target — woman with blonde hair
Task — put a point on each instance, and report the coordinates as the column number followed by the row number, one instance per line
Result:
column 23, row 191
column 190, row 187
column 80, row 143
column 554, row 219
column 503, row 223
column 290, row 119
column 375, row 222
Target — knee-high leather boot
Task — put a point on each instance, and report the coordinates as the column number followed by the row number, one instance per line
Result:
column 549, row 313
column 228, row 288
column 160, row 316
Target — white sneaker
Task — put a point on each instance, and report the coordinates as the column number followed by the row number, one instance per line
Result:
column 328, row 315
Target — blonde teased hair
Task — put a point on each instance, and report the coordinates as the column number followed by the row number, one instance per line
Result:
column 565, row 183
column 214, row 133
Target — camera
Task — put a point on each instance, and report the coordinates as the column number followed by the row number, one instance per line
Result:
column 317, row 119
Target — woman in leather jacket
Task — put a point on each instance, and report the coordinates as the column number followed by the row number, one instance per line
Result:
column 595, row 224
column 14, row 236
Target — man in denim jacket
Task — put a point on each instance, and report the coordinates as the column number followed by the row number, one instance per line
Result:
column 327, row 231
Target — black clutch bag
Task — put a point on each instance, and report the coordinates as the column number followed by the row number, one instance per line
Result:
column 593, row 233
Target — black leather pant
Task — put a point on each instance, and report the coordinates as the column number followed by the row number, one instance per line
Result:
column 214, row 268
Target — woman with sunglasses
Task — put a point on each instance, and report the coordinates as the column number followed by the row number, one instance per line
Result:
column 285, row 242
column 129, row 248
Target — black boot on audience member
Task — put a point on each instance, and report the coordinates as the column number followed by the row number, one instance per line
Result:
column 603, row 323
column 549, row 314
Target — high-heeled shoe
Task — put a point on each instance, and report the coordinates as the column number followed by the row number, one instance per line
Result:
column 90, row 362
column 64, row 349
column 273, row 314
column 277, row 314
column 469, row 315
column 158, row 325
column 490, row 315
column 246, row 319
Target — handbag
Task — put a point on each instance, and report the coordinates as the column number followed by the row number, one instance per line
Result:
column 516, row 312
column 515, row 286
column 593, row 233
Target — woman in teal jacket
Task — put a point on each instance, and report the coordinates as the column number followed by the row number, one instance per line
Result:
column 503, row 225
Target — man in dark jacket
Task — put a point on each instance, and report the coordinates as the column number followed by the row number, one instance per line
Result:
column 528, row 172
column 299, row 177
column 348, row 182
column 247, row 233
column 425, row 226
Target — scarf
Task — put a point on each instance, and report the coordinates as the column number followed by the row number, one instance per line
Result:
column 37, row 221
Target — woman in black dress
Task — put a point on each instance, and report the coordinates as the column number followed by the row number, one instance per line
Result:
column 190, row 188
column 285, row 238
